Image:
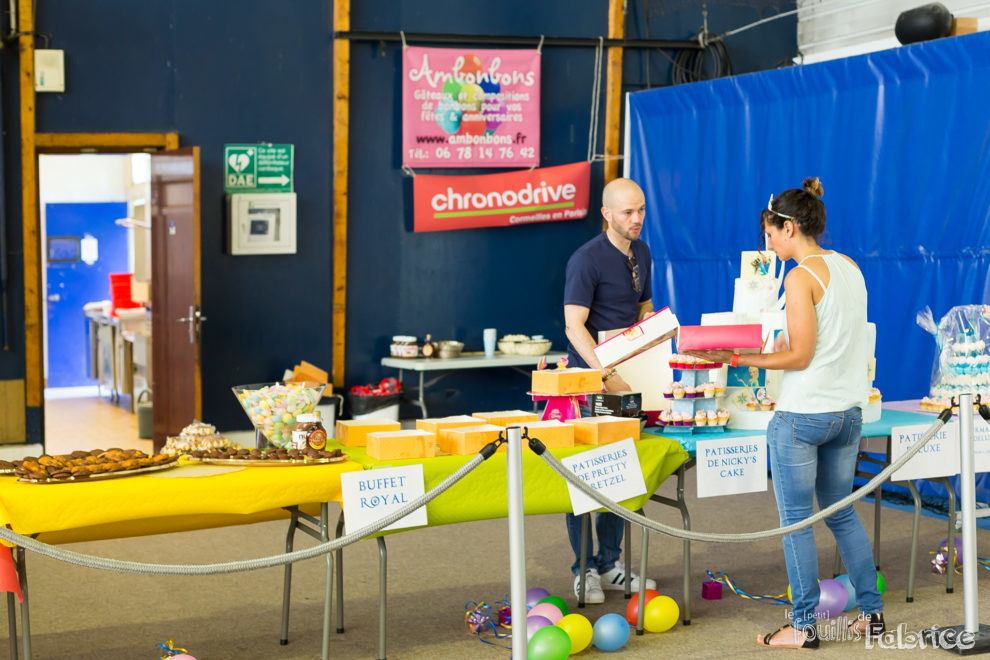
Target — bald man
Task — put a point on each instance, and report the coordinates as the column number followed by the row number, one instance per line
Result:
column 607, row 287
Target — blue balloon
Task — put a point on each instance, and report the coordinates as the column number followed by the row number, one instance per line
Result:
column 489, row 87
column 610, row 632
column 847, row 583
column 449, row 116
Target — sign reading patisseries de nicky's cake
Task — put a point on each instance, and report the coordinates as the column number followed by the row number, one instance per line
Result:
column 546, row 194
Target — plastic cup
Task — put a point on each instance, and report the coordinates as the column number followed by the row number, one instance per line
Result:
column 490, row 337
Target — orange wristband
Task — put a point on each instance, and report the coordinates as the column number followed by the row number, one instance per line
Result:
column 734, row 362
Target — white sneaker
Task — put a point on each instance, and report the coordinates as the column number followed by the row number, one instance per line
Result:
column 615, row 580
column 593, row 594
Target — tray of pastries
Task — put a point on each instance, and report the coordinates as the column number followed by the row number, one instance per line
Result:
column 268, row 457
column 196, row 436
column 89, row 465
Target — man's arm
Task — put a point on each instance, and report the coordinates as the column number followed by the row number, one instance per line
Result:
column 644, row 309
column 575, row 317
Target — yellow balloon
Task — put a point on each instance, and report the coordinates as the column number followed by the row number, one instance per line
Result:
column 661, row 614
column 473, row 95
column 579, row 629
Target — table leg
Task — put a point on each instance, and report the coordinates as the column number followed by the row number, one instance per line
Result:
column 422, row 400
column 340, row 576
column 644, row 552
column 583, row 561
column 382, row 597
column 627, row 533
column 681, row 505
column 951, row 492
column 915, row 525
column 287, row 579
column 877, row 508
column 12, row 624
column 328, row 584
column 25, row 619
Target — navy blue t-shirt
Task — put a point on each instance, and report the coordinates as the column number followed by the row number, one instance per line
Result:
column 598, row 277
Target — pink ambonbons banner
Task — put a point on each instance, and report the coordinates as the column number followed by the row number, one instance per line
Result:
column 470, row 107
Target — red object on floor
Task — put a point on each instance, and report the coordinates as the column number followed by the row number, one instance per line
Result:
column 8, row 574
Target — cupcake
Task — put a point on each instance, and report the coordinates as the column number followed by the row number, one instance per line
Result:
column 723, row 416
column 700, row 419
column 690, row 391
column 674, row 361
column 708, row 390
column 665, row 417
column 719, row 389
column 688, row 362
column 678, row 391
column 712, row 418
column 765, row 404
column 752, row 404
column 668, row 391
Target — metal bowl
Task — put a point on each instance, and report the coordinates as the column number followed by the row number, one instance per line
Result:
column 450, row 349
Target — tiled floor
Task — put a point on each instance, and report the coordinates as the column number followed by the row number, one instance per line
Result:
column 90, row 423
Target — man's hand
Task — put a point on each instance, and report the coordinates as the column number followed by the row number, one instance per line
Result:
column 616, row 384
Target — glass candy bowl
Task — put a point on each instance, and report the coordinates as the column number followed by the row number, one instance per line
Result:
column 273, row 407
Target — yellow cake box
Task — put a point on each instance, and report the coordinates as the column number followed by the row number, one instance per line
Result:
column 354, row 432
column 604, row 430
column 437, row 424
column 567, row 381
column 553, row 433
column 506, row 417
column 468, row 439
column 410, row 443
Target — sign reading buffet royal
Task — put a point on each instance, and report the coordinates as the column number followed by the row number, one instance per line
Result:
column 477, row 108
column 371, row 495
column 547, row 194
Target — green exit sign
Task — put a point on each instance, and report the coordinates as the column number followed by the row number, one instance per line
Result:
column 257, row 168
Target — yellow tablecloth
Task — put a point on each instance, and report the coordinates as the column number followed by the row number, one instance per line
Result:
column 481, row 495
column 156, row 503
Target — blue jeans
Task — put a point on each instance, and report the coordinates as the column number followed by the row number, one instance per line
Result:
column 608, row 527
column 815, row 455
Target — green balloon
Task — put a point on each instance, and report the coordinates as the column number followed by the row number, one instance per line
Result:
column 557, row 602
column 451, row 89
column 881, row 583
column 549, row 643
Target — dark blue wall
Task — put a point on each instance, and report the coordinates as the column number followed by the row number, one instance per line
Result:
column 221, row 72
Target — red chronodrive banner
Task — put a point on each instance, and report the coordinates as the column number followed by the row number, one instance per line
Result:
column 478, row 108
column 546, row 194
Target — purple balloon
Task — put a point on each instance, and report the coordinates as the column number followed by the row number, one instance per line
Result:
column 535, row 595
column 957, row 547
column 833, row 599
column 534, row 623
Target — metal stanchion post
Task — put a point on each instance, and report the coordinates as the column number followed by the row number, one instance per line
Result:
column 517, row 540
column 971, row 636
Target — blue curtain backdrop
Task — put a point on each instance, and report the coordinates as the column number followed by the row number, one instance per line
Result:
column 900, row 141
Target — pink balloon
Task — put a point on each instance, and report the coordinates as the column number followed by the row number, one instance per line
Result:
column 183, row 656
column 548, row 610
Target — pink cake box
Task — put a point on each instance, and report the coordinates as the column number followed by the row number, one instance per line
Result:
column 747, row 338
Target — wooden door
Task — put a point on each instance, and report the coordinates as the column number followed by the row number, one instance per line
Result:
column 175, row 289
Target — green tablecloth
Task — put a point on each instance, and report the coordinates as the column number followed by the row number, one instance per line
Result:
column 481, row 495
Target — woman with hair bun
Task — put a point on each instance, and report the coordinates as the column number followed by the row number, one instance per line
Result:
column 815, row 433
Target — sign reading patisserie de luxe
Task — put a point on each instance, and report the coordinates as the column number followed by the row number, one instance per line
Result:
column 546, row 194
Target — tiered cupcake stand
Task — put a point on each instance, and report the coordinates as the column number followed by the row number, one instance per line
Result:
column 694, row 377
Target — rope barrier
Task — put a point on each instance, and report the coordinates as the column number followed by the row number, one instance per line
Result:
column 691, row 535
column 146, row 568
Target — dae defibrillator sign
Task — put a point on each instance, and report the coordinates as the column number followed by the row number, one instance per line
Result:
column 257, row 168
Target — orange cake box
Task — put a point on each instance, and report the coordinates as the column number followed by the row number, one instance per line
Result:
column 437, row 424
column 567, row 381
column 354, row 432
column 468, row 439
column 411, row 443
column 604, row 430
column 506, row 417
column 553, row 433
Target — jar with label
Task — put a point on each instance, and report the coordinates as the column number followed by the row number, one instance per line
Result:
column 404, row 346
column 308, row 432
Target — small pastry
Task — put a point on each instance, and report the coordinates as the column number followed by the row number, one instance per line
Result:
column 700, row 418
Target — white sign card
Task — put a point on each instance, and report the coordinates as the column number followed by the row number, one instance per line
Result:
column 938, row 458
column 613, row 470
column 729, row 466
column 981, row 445
column 373, row 494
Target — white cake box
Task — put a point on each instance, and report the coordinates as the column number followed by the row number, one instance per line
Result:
column 642, row 336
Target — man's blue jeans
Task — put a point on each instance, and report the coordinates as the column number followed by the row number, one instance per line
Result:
column 815, row 455
column 608, row 528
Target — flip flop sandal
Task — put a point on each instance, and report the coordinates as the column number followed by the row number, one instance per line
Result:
column 809, row 642
column 875, row 626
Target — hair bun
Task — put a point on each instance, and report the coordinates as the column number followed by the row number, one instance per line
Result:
column 813, row 186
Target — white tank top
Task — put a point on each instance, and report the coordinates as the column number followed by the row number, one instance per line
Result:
column 836, row 379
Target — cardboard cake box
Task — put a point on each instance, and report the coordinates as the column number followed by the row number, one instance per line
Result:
column 506, row 417
column 468, row 439
column 354, row 432
column 392, row 445
column 618, row 404
column 654, row 329
column 572, row 380
column 604, row 430
column 747, row 338
column 437, row 424
column 553, row 433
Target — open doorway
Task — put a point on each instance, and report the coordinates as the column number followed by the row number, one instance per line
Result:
column 96, row 282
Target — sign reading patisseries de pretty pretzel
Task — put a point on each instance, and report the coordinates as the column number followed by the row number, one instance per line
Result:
column 547, row 194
